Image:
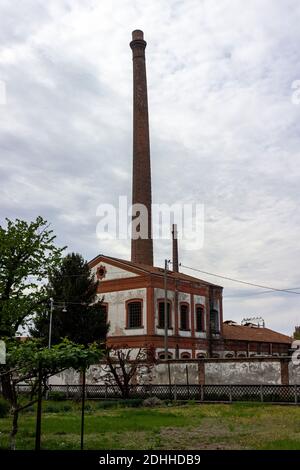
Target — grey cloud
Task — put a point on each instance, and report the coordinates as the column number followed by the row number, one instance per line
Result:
column 224, row 131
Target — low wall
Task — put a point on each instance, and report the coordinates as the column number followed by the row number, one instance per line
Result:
column 243, row 373
column 239, row 371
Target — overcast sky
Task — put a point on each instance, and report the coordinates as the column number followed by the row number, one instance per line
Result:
column 224, row 130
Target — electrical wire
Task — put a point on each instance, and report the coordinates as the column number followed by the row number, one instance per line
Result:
column 289, row 291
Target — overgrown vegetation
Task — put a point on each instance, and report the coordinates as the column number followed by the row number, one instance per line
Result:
column 111, row 425
column 32, row 269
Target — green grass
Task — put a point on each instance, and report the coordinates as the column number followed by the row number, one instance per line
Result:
column 189, row 426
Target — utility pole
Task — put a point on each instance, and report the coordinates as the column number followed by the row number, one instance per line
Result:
column 50, row 323
column 166, row 310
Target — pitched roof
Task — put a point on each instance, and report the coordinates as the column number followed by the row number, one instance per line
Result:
column 157, row 271
column 246, row 333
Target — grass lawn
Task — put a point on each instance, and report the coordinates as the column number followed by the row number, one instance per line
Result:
column 188, row 426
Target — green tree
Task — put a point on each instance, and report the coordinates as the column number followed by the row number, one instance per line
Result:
column 27, row 256
column 25, row 360
column 77, row 314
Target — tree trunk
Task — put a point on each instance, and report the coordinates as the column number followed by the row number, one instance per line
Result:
column 14, row 428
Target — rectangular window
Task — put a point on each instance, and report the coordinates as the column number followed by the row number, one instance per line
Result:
column 161, row 314
column 199, row 318
column 134, row 314
column 184, row 317
column 214, row 321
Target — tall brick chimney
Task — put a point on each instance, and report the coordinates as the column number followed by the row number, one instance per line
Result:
column 141, row 248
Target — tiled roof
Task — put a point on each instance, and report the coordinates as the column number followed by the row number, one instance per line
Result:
column 246, row 333
column 158, row 271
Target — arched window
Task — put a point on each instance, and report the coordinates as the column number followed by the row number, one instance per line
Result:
column 201, row 356
column 161, row 355
column 229, row 355
column 185, row 355
column 184, row 316
column 216, row 356
column 161, row 314
column 134, row 313
column 242, row 354
column 199, row 311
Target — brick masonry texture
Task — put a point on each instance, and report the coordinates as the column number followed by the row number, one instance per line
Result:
column 141, row 249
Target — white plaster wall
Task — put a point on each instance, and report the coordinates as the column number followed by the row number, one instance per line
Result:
column 294, row 373
column 243, row 373
column 113, row 272
column 67, row 377
column 117, row 311
column 160, row 373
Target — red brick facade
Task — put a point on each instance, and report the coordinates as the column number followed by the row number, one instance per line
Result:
column 141, row 248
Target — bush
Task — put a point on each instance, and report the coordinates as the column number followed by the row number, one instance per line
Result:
column 128, row 402
column 131, row 402
column 152, row 402
column 57, row 407
column 4, row 408
column 57, row 396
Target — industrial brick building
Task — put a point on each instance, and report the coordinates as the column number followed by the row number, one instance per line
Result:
column 134, row 291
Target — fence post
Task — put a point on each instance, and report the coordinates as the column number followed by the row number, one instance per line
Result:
column 67, row 391
column 175, row 392
column 202, row 392
column 261, row 394
column 230, row 393
column 187, row 380
column 105, row 390
column 296, row 394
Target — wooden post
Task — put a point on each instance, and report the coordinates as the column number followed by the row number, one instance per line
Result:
column 39, row 412
column 202, row 392
column 230, row 393
column 170, row 385
column 261, row 393
column 187, row 380
column 82, row 408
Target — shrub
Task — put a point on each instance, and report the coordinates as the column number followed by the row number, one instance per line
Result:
column 129, row 402
column 153, row 401
column 57, row 396
column 57, row 407
column 4, row 408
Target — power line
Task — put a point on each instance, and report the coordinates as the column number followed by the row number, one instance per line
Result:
column 288, row 291
column 241, row 282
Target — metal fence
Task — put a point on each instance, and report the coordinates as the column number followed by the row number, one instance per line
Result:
column 202, row 393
